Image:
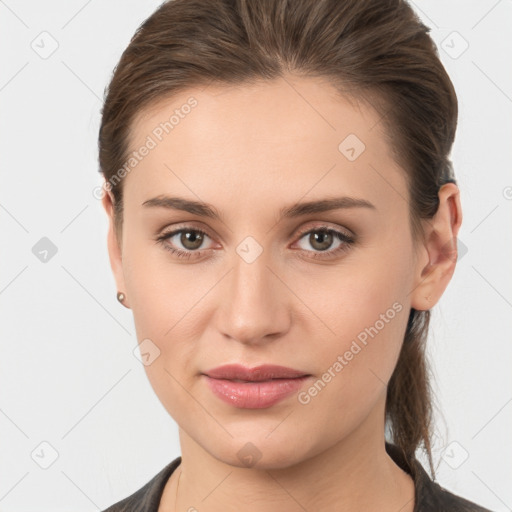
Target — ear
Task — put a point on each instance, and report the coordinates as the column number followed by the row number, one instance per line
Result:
column 114, row 247
column 437, row 256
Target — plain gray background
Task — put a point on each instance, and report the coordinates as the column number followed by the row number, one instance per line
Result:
column 74, row 398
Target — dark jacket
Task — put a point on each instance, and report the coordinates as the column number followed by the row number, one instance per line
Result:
column 429, row 495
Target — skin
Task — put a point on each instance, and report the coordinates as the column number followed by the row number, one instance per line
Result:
column 249, row 151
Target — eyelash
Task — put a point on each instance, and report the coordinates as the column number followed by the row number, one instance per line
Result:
column 342, row 237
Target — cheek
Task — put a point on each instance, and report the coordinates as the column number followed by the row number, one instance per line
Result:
column 356, row 363
column 172, row 307
column 346, row 299
column 363, row 306
column 161, row 291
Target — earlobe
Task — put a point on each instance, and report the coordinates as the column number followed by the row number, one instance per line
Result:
column 114, row 248
column 440, row 250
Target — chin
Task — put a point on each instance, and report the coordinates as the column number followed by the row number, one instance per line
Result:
column 259, row 451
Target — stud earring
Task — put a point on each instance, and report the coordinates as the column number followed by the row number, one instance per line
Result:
column 120, row 297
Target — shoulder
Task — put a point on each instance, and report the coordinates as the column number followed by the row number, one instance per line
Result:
column 147, row 498
column 430, row 496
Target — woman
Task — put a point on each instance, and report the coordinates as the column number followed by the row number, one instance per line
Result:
column 283, row 216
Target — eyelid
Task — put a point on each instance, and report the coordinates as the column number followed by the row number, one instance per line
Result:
column 325, row 226
column 169, row 233
column 300, row 232
column 183, row 226
column 347, row 237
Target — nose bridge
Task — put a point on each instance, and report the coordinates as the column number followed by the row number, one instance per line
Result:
column 253, row 306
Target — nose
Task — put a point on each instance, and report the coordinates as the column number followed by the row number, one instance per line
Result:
column 255, row 304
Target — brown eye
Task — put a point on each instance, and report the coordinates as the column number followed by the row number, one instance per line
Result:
column 191, row 240
column 320, row 240
column 184, row 242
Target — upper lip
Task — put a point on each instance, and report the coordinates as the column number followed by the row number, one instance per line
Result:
column 257, row 373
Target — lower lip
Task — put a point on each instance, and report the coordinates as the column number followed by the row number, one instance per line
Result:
column 254, row 395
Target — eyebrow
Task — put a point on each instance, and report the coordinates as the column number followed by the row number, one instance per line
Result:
column 207, row 210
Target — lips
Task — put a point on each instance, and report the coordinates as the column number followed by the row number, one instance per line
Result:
column 237, row 372
column 254, row 388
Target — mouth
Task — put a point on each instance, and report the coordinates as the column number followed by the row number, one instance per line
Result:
column 257, row 388
column 262, row 380
column 261, row 373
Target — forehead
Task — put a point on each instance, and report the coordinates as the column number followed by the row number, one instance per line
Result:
column 282, row 138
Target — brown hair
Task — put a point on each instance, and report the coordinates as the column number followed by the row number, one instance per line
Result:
column 377, row 52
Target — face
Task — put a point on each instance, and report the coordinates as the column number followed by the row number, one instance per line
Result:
column 326, row 292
